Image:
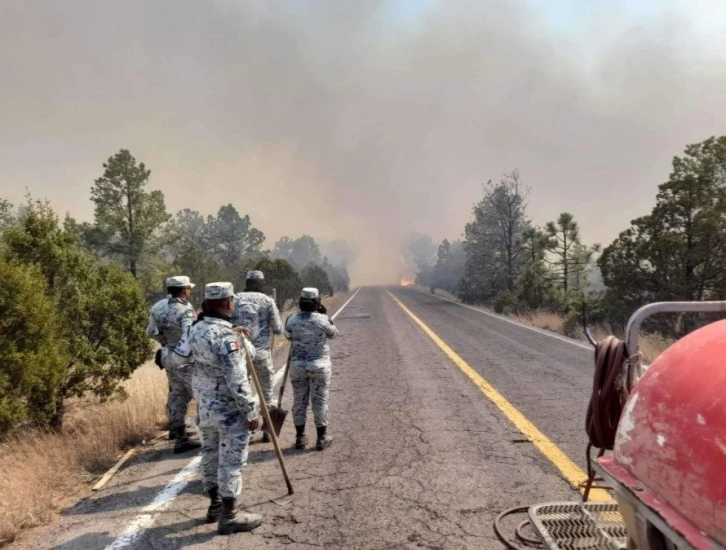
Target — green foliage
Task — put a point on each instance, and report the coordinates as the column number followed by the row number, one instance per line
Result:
column 315, row 276
column 678, row 251
column 127, row 216
column 507, row 302
column 100, row 309
column 338, row 276
column 280, row 274
column 7, row 213
column 571, row 258
column 449, row 265
column 230, row 237
column 33, row 357
column 299, row 252
column 493, row 241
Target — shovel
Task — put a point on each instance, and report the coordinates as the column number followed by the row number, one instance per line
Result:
column 278, row 414
column 282, row 501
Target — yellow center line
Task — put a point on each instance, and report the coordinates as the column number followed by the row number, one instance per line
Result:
column 569, row 470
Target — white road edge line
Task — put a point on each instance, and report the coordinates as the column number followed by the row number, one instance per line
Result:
column 278, row 375
column 162, row 501
column 510, row 321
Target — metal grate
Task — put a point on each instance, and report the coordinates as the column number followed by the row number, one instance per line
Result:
column 580, row 526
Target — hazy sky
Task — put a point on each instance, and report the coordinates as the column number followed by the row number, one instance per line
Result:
column 362, row 120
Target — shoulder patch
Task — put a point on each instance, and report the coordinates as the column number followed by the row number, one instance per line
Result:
column 231, row 347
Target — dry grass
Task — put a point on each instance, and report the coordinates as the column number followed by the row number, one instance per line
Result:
column 41, row 473
column 542, row 319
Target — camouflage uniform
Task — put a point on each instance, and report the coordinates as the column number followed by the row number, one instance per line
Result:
column 225, row 403
column 310, row 364
column 258, row 313
column 169, row 321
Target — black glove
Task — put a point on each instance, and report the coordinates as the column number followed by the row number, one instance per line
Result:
column 157, row 359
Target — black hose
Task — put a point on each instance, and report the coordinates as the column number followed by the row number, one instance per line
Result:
column 521, row 538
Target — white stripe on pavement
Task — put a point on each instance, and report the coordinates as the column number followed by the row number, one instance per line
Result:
column 162, row 501
column 341, row 308
column 148, row 514
column 511, row 321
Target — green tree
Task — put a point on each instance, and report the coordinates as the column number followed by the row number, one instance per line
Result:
column 337, row 274
column 101, row 309
column 564, row 245
column 493, row 241
column 231, row 237
column 7, row 213
column 127, row 217
column 315, row 276
column 534, row 279
column 33, row 357
column 449, row 265
column 280, row 275
column 299, row 252
column 678, row 251
column 185, row 238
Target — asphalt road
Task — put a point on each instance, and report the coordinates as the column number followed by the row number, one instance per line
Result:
column 421, row 458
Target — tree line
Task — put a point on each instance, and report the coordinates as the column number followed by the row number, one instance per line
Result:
column 506, row 261
column 75, row 298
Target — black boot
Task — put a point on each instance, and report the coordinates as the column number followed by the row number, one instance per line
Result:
column 214, row 512
column 324, row 441
column 172, row 434
column 182, row 444
column 300, row 440
column 232, row 521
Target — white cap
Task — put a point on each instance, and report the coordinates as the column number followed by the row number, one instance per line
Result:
column 255, row 275
column 218, row 291
column 310, row 293
column 179, row 281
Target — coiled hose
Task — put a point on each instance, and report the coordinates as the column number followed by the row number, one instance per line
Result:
column 609, row 390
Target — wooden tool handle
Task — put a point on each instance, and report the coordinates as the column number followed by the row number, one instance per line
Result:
column 268, row 421
column 284, row 377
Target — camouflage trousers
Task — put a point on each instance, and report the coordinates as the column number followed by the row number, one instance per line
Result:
column 264, row 370
column 310, row 383
column 224, row 455
column 180, row 393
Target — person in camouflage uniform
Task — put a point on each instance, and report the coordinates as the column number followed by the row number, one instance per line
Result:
column 169, row 320
column 310, row 367
column 227, row 409
column 258, row 312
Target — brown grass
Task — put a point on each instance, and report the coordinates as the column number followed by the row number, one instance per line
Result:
column 42, row 473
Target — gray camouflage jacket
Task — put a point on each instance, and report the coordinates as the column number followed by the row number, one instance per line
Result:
column 169, row 320
column 258, row 313
column 309, row 333
column 220, row 373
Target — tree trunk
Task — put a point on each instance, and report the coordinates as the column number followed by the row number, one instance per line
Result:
column 56, row 420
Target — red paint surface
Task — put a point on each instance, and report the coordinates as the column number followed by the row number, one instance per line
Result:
column 686, row 471
column 667, row 512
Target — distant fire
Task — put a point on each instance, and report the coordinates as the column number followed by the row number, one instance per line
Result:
column 406, row 282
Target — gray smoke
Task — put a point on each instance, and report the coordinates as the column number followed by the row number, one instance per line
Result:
column 361, row 121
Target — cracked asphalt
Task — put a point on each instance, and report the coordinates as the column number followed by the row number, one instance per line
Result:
column 421, row 459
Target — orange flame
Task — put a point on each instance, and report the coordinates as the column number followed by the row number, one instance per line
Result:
column 406, row 282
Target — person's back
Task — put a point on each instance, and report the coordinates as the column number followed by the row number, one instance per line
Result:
column 256, row 311
column 210, row 341
column 309, row 332
column 171, row 316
